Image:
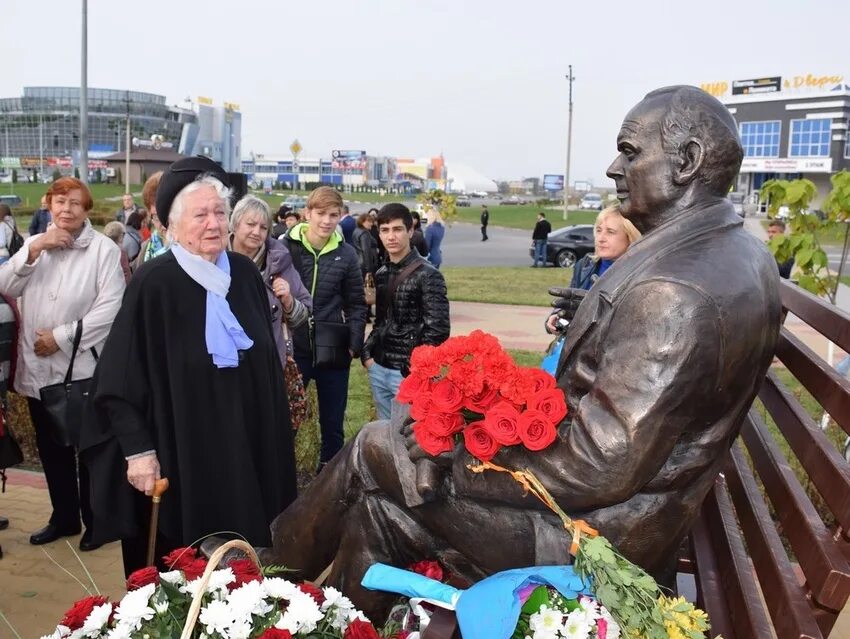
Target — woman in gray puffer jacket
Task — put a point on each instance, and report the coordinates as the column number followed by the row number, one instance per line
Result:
column 289, row 300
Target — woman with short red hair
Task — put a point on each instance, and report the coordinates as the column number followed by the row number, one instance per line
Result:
column 71, row 283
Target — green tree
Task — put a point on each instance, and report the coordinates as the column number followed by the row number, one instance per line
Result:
column 14, row 176
column 56, row 174
column 807, row 229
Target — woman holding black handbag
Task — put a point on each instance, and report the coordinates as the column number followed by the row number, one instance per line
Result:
column 67, row 275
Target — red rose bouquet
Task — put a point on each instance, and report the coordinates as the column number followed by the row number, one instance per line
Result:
column 470, row 387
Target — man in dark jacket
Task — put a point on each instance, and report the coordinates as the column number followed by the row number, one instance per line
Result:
column 540, row 235
column 347, row 224
column 777, row 227
column 412, row 308
column 40, row 219
column 330, row 270
column 485, row 220
column 417, row 238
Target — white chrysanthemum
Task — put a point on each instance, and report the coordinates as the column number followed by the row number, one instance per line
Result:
column 239, row 629
column 134, row 607
column 94, row 623
column 279, row 588
column 613, row 627
column 191, row 588
column 590, row 607
column 337, row 608
column 121, row 631
column 301, row 614
column 216, row 616
column 249, row 599
column 220, row 579
column 577, row 625
column 60, row 633
column 161, row 607
column 174, row 577
column 357, row 614
column 546, row 623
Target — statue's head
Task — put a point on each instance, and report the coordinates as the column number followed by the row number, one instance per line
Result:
column 679, row 144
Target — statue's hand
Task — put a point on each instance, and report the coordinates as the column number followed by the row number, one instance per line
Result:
column 416, row 453
column 567, row 301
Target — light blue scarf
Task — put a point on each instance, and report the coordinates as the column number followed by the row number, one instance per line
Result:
column 225, row 337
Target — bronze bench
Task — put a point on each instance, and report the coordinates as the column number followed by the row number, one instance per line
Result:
column 750, row 581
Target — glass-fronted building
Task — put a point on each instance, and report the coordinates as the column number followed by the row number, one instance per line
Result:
column 790, row 127
column 39, row 131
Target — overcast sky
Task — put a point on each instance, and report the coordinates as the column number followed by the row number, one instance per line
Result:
column 481, row 81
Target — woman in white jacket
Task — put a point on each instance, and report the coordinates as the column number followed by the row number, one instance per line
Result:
column 67, row 274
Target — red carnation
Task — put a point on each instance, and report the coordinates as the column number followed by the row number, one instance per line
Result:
column 275, row 633
column 244, row 570
column 444, row 424
column 143, row 577
column 446, row 397
column 424, row 361
column 535, row 430
column 79, row 612
column 539, row 379
column 180, row 557
column 430, row 442
column 481, row 402
column 431, row 569
column 501, row 422
column 412, row 387
column 551, row 403
column 359, row 629
column 314, row 591
column 479, row 442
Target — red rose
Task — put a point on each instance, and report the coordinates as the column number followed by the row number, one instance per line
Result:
column 446, row 397
column 143, row 577
column 244, row 570
column 275, row 633
column 444, row 424
column 180, row 557
column 479, row 442
column 430, row 442
column 483, row 401
column 194, row 569
column 535, row 430
column 412, row 387
column 79, row 612
column 501, row 422
column 551, row 403
column 431, row 569
column 314, row 591
column 540, row 380
column 359, row 629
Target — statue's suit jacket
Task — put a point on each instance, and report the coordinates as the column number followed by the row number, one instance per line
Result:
column 661, row 363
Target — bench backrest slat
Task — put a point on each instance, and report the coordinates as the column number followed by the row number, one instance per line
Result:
column 824, row 383
column 826, row 569
column 742, row 592
column 828, row 470
column 785, row 598
column 830, row 321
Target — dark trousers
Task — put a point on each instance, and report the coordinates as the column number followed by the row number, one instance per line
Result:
column 69, row 492
column 332, row 389
column 483, row 231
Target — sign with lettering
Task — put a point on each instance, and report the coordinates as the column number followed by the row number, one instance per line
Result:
column 759, row 85
column 786, row 165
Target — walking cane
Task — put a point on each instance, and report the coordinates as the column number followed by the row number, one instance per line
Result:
column 159, row 487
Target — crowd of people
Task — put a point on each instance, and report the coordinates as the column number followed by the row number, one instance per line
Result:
column 193, row 322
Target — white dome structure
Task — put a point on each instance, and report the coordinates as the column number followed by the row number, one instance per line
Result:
column 465, row 179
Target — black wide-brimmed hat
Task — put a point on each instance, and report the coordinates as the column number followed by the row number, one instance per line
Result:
column 180, row 175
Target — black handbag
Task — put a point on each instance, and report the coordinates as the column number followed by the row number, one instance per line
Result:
column 64, row 402
column 331, row 341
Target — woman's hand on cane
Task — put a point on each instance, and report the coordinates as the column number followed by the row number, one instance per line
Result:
column 142, row 472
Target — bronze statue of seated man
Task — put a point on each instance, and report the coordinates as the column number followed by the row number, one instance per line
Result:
column 663, row 358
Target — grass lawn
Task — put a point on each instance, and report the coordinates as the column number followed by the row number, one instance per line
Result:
column 524, row 217
column 278, row 197
column 504, row 284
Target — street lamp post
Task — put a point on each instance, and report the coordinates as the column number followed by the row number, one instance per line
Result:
column 84, row 100
column 570, row 79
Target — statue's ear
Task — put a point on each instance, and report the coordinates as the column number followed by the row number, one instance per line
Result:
column 691, row 155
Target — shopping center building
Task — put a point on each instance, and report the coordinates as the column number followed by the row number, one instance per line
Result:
column 39, row 131
column 790, row 126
